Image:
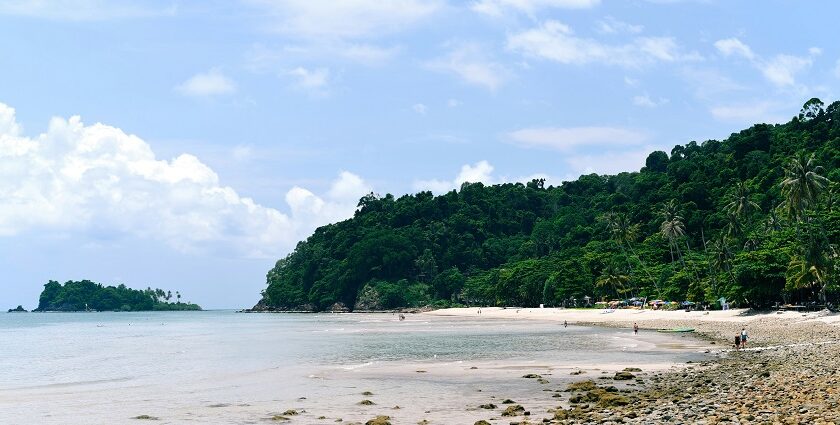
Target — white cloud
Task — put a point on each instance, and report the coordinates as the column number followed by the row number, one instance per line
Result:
column 557, row 42
column 608, row 162
column 498, row 8
column 646, row 102
column 480, row 172
column 733, row 46
column 779, row 70
column 210, row 83
column 453, row 103
column 610, row 25
column 242, row 152
column 344, row 19
column 96, row 179
column 631, row 82
column 572, row 138
column 782, row 69
column 419, row 108
column 749, row 113
column 83, row 10
column 469, row 62
column 314, row 80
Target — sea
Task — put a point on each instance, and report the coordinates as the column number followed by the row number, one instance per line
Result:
column 224, row 367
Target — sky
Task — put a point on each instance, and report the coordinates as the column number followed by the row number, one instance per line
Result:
column 189, row 145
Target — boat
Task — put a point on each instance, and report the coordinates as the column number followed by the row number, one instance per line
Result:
column 676, row 330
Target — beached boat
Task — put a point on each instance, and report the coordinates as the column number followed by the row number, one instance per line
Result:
column 676, row 330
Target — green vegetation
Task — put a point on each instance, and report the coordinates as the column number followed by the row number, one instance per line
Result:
column 86, row 295
column 753, row 218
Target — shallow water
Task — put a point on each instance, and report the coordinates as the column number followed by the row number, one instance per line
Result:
column 225, row 367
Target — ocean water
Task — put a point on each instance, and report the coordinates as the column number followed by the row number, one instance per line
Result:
column 226, row 367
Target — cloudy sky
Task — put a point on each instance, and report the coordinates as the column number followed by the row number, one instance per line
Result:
column 189, row 144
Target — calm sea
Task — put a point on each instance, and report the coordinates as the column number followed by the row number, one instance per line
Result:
column 226, row 367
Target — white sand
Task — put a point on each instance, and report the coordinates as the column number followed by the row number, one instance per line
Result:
column 623, row 316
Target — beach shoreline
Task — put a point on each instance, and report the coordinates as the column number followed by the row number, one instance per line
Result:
column 788, row 374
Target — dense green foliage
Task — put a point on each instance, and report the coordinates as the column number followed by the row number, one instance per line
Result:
column 752, row 218
column 86, row 295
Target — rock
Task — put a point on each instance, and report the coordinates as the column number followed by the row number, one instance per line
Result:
column 508, row 401
column 514, row 410
column 279, row 418
column 481, row 422
column 632, row 369
column 488, row 406
column 532, row 376
column 379, row 420
column 146, row 417
column 623, row 376
column 366, row 403
column 339, row 308
column 291, row 412
column 19, row 309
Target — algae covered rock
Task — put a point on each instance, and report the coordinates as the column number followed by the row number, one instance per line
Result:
column 624, row 376
column 379, row 420
column 514, row 410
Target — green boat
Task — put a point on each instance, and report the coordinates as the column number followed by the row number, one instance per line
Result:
column 676, row 330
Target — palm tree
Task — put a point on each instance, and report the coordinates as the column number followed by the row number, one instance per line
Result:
column 722, row 255
column 672, row 228
column 734, row 227
column 802, row 274
column 624, row 233
column 613, row 278
column 740, row 203
column 802, row 186
column 178, row 295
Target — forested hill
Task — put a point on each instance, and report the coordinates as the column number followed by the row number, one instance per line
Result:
column 753, row 218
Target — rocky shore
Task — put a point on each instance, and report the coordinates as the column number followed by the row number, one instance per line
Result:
column 789, row 374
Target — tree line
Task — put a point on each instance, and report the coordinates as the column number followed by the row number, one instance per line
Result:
column 752, row 218
column 87, row 295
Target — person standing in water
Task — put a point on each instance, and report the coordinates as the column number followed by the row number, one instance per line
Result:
column 565, row 323
column 744, row 337
column 635, row 328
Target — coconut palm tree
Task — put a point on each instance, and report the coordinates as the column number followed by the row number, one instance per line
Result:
column 624, row 234
column 672, row 228
column 612, row 277
column 803, row 274
column 802, row 186
column 722, row 255
column 739, row 202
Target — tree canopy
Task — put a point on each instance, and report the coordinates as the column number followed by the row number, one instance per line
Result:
column 752, row 218
column 86, row 295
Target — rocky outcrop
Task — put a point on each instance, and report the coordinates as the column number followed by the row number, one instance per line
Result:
column 339, row 308
column 19, row 309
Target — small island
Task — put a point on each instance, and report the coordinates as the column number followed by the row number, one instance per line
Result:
column 19, row 309
column 85, row 295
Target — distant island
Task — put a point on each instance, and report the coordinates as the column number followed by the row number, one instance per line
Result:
column 753, row 220
column 19, row 309
column 85, row 295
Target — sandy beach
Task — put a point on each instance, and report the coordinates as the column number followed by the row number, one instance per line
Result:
column 787, row 375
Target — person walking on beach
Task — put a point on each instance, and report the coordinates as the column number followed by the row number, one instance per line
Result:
column 744, row 337
column 635, row 328
column 738, row 342
column 565, row 324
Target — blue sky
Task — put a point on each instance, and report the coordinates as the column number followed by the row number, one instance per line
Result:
column 189, row 144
